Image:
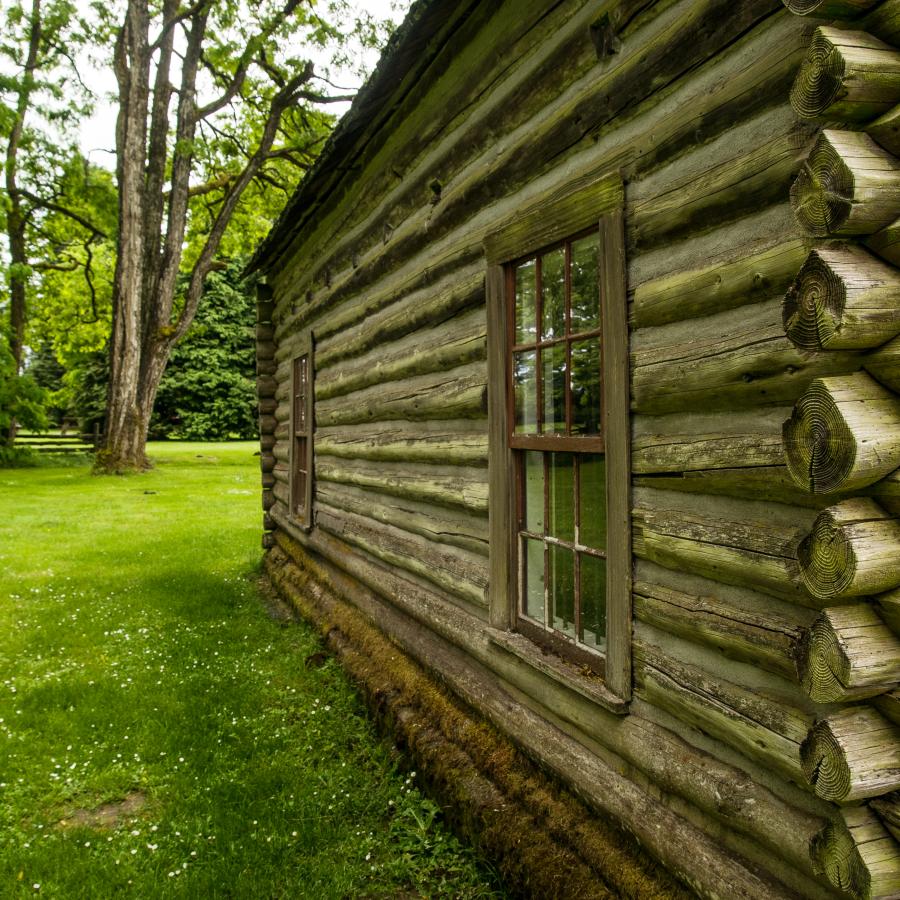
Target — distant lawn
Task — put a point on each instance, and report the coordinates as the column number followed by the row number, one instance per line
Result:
column 161, row 735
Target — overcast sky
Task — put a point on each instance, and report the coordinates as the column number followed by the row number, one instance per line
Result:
column 98, row 131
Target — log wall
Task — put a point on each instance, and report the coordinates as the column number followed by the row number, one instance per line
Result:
column 765, row 427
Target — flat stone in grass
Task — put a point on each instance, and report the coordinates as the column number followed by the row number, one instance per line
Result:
column 107, row 815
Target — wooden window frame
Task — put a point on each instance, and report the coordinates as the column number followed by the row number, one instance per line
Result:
column 590, row 202
column 302, row 433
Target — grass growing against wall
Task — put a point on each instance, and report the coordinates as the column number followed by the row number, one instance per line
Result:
column 160, row 734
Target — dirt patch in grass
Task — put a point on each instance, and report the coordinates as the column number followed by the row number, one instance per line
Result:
column 107, row 815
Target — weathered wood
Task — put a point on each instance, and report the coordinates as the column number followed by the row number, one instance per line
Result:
column 886, row 130
column 266, row 462
column 266, row 406
column 266, row 386
column 852, row 550
column 455, row 394
column 265, row 350
column 884, row 21
column 847, row 76
column 267, row 424
column 268, row 500
column 844, row 434
column 858, row 856
column 446, row 485
column 759, row 555
column 884, row 364
column 851, row 755
column 713, row 288
column 266, row 367
column 441, row 524
column 462, row 442
column 760, row 727
column 843, row 298
column 830, row 9
column 437, row 349
column 687, row 452
column 888, row 705
column 848, row 654
column 888, row 810
column 267, row 442
column 738, row 359
column 889, row 609
column 848, row 186
column 265, row 331
column 763, row 638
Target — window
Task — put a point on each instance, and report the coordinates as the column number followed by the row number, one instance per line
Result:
column 302, row 433
column 560, row 472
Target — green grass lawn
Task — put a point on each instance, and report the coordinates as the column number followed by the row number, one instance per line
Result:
column 161, row 735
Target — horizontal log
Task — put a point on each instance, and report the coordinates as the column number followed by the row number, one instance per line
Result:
column 447, row 443
column 848, row 654
column 760, row 727
column 721, row 790
column 858, row 856
column 264, row 311
column 266, row 367
column 268, row 500
column 884, row 21
column 265, row 331
column 844, row 298
column 266, row 386
column 847, row 76
column 266, row 462
column 888, row 810
column 844, row 434
column 889, row 609
column 267, row 442
column 737, row 359
column 884, row 364
column 439, row 524
column 445, row 346
column 763, row 637
column 267, row 424
column 759, row 555
column 852, row 755
column 852, row 551
column 265, row 350
column 714, row 288
column 885, row 130
column 689, row 452
column 456, row 394
column 830, row 9
column 454, row 570
column 446, row 485
column 849, row 186
column 266, row 406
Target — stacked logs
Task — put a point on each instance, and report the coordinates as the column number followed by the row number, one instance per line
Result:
column 266, row 385
column 843, row 436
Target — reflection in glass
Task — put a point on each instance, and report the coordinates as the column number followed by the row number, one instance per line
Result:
column 534, row 492
column 525, row 390
column 553, row 362
column 533, row 576
column 553, row 294
column 586, row 387
column 526, row 329
column 562, row 589
column 593, row 600
column 592, row 500
column 585, row 286
column 562, row 496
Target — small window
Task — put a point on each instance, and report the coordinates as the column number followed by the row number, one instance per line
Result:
column 302, row 427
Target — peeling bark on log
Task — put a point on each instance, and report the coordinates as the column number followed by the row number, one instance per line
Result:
column 853, row 550
column 847, row 76
column 858, row 856
column 852, row 755
column 830, row 9
column 844, row 434
column 848, row 186
column 843, row 299
column 848, row 654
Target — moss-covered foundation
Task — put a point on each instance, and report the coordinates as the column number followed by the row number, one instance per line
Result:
column 543, row 839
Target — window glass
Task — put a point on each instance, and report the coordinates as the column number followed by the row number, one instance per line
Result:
column 526, row 294
column 585, row 380
column 525, row 388
column 585, row 285
column 553, row 294
column 533, row 588
column 562, row 495
column 562, row 589
column 592, row 500
column 593, row 600
column 534, row 492
column 553, row 361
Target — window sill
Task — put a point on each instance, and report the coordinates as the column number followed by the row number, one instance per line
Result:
column 590, row 687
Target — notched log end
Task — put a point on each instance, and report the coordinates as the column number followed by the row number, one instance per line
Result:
column 821, row 195
column 819, row 82
column 813, row 304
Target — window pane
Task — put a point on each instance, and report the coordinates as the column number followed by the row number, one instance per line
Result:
column 562, row 589
column 592, row 500
column 533, row 514
column 533, row 578
column 586, row 387
column 553, row 294
column 585, row 286
column 525, row 388
column 562, row 496
column 593, row 600
column 553, row 362
column 526, row 329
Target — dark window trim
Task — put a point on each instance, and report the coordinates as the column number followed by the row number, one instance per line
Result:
column 588, row 202
column 301, row 506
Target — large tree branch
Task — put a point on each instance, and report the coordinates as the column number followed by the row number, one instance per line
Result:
column 53, row 206
column 170, row 24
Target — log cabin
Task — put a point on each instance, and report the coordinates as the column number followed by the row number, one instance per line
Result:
column 579, row 382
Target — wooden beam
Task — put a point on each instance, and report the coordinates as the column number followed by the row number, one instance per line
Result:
column 848, row 186
column 843, row 298
column 848, row 654
column 830, row 9
column 847, row 76
column 843, row 434
column 852, row 551
column 851, row 755
column 884, row 364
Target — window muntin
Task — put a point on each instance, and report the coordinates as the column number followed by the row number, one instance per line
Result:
column 555, row 415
